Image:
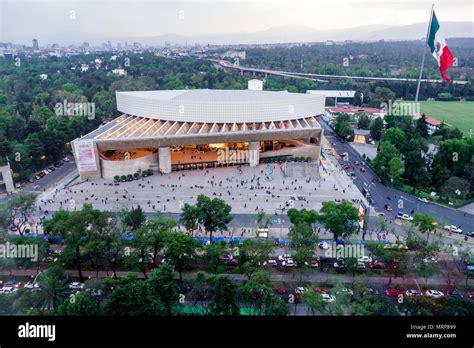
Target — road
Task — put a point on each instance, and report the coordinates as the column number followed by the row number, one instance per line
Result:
column 47, row 181
column 322, row 77
column 385, row 195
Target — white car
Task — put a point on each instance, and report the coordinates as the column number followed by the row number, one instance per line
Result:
column 272, row 263
column 347, row 291
column 8, row 290
column 412, row 292
column 405, row 217
column 66, row 159
column 76, row 286
column 31, row 285
column 328, row 298
column 424, row 200
column 434, row 293
column 452, row 228
column 299, row 290
column 365, row 259
column 284, row 257
column 288, row 263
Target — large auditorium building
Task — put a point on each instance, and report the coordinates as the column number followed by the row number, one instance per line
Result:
column 182, row 129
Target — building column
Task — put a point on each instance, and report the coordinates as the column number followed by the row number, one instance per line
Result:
column 164, row 160
column 254, row 153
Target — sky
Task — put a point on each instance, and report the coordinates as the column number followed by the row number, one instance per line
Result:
column 22, row 20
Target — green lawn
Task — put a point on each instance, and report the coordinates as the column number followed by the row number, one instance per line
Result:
column 455, row 113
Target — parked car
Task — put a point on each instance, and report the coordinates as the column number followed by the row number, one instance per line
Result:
column 347, row 291
column 371, row 291
column 388, row 208
column 452, row 228
column 280, row 291
column 470, row 234
column 76, row 286
column 31, row 285
column 288, row 263
column 413, row 292
column 455, row 293
column 320, row 291
column 272, row 263
column 8, row 290
column 403, row 216
column 328, row 298
column 376, row 265
column 434, row 293
column 424, row 200
column 362, row 169
column 393, row 292
column 299, row 290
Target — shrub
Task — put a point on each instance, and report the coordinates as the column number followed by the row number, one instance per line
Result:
column 123, row 178
column 116, row 178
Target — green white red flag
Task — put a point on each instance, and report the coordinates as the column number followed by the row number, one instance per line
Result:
column 439, row 48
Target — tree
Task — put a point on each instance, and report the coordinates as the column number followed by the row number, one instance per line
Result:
column 396, row 168
column 180, row 251
column 77, row 229
column 339, row 218
column 53, row 288
column 376, row 129
column 133, row 218
column 426, row 223
column 189, row 218
column 165, row 288
column 343, row 126
column 214, row 214
column 135, row 298
column 83, row 305
column 223, row 301
column 257, row 291
column 386, row 151
column 262, row 220
column 158, row 232
column 302, row 216
column 457, row 306
column 253, row 254
column 394, row 258
column 16, row 212
column 315, row 301
column 373, row 306
column 213, row 258
column 138, row 256
column 395, row 136
column 363, row 121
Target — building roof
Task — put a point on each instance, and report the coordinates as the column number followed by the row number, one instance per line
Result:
column 226, row 106
column 430, row 120
column 132, row 127
column 333, row 93
column 353, row 109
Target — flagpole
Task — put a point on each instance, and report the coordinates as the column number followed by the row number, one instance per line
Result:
column 423, row 59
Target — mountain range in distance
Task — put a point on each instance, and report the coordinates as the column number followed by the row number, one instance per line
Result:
column 282, row 34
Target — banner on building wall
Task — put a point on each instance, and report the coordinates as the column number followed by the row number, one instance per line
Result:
column 85, row 156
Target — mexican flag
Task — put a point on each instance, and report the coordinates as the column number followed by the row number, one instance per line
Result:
column 439, row 48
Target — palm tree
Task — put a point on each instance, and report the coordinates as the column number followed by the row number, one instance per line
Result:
column 53, row 288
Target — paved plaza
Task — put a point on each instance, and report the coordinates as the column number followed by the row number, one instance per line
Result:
column 245, row 188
